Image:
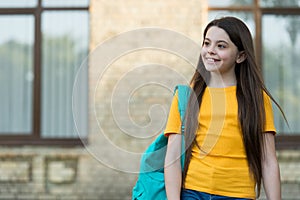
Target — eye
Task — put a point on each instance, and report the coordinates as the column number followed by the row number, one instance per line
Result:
column 221, row 46
column 206, row 43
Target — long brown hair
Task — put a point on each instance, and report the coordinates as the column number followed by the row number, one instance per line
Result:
column 249, row 93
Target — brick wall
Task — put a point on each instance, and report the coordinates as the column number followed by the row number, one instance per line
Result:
column 129, row 97
column 132, row 88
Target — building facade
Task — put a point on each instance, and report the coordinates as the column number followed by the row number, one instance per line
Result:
column 97, row 84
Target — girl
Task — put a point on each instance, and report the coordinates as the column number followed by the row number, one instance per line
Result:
column 229, row 128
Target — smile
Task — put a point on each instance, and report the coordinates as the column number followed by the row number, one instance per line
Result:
column 212, row 60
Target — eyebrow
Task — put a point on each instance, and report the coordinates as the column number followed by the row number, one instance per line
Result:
column 218, row 41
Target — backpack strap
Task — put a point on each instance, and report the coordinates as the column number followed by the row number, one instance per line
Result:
column 183, row 97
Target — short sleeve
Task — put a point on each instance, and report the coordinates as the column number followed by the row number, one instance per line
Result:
column 269, row 124
column 173, row 123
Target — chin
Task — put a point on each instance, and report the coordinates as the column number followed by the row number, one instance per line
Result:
column 211, row 68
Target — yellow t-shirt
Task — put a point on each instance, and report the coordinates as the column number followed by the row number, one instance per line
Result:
column 220, row 167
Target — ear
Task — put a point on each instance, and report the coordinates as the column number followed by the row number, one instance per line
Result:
column 241, row 57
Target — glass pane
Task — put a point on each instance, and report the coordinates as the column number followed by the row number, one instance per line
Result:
column 280, row 3
column 281, row 47
column 65, row 46
column 229, row 3
column 17, row 3
column 16, row 73
column 65, row 3
column 246, row 17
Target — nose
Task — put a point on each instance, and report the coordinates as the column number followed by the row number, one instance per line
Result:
column 211, row 50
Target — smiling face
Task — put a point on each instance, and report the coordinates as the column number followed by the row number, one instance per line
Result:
column 219, row 53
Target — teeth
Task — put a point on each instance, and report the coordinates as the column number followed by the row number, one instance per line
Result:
column 211, row 60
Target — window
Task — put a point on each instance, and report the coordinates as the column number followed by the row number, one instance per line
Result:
column 16, row 84
column 275, row 26
column 41, row 49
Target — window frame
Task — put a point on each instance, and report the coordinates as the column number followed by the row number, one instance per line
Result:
column 34, row 138
column 283, row 141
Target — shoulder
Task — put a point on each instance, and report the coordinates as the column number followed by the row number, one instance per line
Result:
column 266, row 98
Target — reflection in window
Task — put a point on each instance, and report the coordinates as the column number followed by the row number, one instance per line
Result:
column 65, row 3
column 280, row 3
column 17, row 4
column 65, row 46
column 227, row 3
column 246, row 17
column 16, row 74
column 281, row 47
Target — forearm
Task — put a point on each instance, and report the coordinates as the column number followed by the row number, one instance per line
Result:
column 173, row 167
column 173, row 180
column 270, row 169
column 271, row 181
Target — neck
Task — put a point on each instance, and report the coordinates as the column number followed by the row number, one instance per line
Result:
column 218, row 80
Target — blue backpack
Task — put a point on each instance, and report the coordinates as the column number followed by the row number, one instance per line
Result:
column 151, row 183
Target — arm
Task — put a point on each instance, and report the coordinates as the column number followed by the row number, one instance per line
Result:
column 270, row 169
column 173, row 167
